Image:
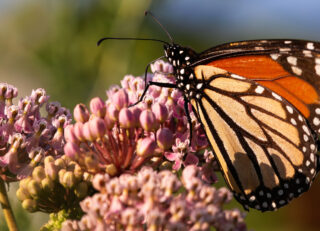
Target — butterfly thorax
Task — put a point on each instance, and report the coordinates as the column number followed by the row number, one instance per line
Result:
column 181, row 59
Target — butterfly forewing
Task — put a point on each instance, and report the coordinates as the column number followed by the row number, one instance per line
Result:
column 263, row 144
column 290, row 68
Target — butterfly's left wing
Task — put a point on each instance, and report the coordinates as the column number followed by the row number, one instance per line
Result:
column 263, row 144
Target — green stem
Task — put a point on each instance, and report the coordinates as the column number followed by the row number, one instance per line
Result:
column 7, row 211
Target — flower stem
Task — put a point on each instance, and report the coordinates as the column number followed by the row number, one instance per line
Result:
column 7, row 211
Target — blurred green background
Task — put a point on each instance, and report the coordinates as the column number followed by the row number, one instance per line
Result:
column 52, row 44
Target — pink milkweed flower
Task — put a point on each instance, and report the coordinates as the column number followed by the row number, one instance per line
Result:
column 25, row 131
column 153, row 200
column 117, row 137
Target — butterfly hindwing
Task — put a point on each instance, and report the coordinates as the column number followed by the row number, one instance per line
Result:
column 264, row 145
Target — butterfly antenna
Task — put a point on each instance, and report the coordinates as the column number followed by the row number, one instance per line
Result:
column 157, row 21
column 145, row 39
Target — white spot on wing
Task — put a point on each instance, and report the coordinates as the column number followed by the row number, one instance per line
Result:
column 287, row 42
column 307, row 53
column 312, row 157
column 259, row 90
column 310, row 46
column 296, row 70
column 286, row 49
column 274, row 56
column 292, row 60
column 316, row 121
column 276, row 96
column 289, row 109
column 293, row 121
column 317, row 68
column 306, row 130
column 237, row 76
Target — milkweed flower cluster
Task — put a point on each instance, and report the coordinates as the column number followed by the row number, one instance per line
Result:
column 26, row 135
column 59, row 184
column 155, row 201
column 116, row 138
column 116, row 164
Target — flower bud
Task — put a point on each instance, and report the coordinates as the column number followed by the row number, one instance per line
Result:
column 78, row 131
column 60, row 163
column 120, row 99
column 97, row 128
column 146, row 147
column 112, row 112
column 48, row 159
column 136, row 111
column 71, row 150
column 51, row 170
column 160, row 111
column 38, row 173
column 81, row 190
column 126, row 118
column 98, row 107
column 69, row 135
column 164, row 138
column 81, row 113
column 29, row 205
column 109, row 122
column 60, row 174
column 148, row 120
column 34, row 188
column 78, row 172
column 87, row 132
column 91, row 162
column 47, row 184
column 24, row 183
column 111, row 169
column 68, row 179
column 21, row 194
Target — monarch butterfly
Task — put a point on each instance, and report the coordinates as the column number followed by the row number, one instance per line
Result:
column 259, row 104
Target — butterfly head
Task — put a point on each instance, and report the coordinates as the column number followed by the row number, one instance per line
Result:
column 178, row 56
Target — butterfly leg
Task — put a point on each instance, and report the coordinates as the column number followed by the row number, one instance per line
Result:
column 166, row 85
column 186, row 110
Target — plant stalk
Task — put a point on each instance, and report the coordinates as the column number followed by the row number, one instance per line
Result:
column 7, row 210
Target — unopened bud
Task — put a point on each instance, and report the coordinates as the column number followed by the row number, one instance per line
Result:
column 160, row 111
column 29, row 205
column 126, row 118
column 34, row 188
column 68, row 180
column 47, row 184
column 81, row 113
column 111, row 169
column 38, row 173
column 164, row 138
column 148, row 120
column 120, row 99
column 98, row 107
column 21, row 194
column 146, row 147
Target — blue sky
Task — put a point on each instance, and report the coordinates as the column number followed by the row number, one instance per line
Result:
column 244, row 19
